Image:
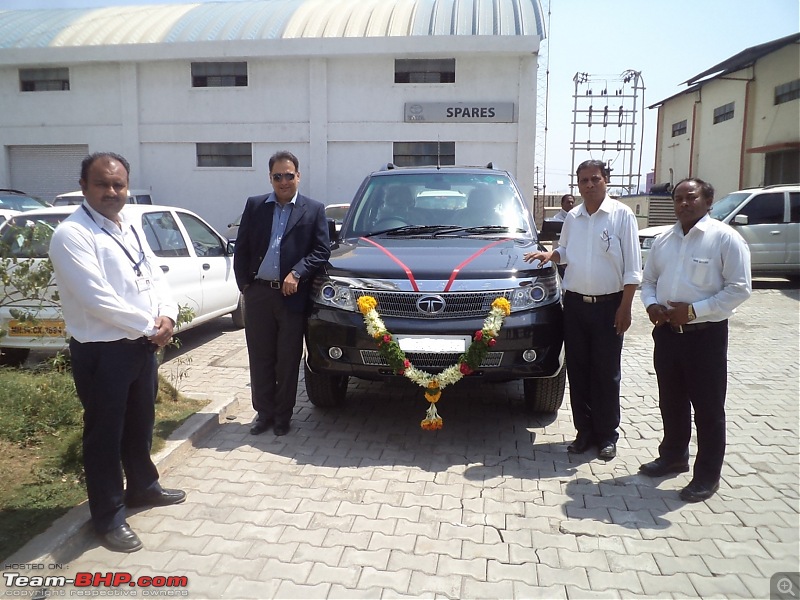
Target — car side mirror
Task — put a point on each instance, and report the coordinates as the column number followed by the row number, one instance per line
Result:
column 230, row 247
column 741, row 220
column 333, row 233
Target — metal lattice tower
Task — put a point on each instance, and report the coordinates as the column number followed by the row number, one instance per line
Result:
column 604, row 120
column 542, row 98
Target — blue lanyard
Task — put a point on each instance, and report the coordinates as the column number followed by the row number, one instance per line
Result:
column 136, row 264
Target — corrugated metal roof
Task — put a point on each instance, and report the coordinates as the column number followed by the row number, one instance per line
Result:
column 268, row 20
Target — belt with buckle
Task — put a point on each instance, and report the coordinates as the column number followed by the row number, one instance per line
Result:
column 275, row 285
column 142, row 341
column 595, row 299
column 690, row 327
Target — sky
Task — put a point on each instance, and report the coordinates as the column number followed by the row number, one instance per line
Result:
column 667, row 41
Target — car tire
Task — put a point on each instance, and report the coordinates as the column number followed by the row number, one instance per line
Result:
column 325, row 391
column 545, row 394
column 14, row 357
column 238, row 314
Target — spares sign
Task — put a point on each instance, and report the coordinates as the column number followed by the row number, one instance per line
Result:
column 459, row 112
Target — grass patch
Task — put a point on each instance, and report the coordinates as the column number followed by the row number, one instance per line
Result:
column 41, row 463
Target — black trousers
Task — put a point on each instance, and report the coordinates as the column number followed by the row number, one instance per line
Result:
column 116, row 383
column 594, row 356
column 692, row 371
column 274, row 338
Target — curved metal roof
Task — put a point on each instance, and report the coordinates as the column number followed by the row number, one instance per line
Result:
column 268, row 20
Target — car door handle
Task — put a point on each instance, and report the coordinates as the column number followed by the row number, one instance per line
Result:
column 774, row 232
column 164, row 268
column 206, row 266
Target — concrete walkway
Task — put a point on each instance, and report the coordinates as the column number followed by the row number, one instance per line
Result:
column 359, row 502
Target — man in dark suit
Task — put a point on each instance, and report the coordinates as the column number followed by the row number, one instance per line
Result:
column 283, row 240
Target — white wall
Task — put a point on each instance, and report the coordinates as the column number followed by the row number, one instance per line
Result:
column 338, row 114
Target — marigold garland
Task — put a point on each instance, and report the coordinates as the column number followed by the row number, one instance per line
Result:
column 468, row 362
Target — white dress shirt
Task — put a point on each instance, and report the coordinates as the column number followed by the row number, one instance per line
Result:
column 709, row 268
column 102, row 297
column 559, row 216
column 602, row 250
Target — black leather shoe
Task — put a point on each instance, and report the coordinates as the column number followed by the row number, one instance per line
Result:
column 660, row 467
column 260, row 425
column 608, row 451
column 163, row 497
column 281, row 428
column 697, row 491
column 122, row 539
column 581, row 444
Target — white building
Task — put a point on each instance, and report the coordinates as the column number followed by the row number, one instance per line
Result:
column 198, row 96
column 738, row 123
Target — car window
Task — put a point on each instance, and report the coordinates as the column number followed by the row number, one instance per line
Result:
column 163, row 235
column 725, row 206
column 794, row 207
column 20, row 202
column 204, row 241
column 141, row 199
column 764, row 209
column 434, row 199
column 25, row 237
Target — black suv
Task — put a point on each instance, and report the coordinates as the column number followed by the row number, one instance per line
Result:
column 435, row 246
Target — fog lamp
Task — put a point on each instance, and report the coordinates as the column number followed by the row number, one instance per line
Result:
column 529, row 355
column 335, row 352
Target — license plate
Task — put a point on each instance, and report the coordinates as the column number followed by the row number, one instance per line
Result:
column 443, row 344
column 43, row 328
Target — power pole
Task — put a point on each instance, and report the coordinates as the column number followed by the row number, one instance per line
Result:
column 542, row 99
column 610, row 105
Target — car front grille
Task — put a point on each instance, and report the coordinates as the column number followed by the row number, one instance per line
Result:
column 456, row 305
column 430, row 360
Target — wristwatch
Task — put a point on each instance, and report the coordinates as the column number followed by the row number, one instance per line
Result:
column 296, row 274
column 690, row 312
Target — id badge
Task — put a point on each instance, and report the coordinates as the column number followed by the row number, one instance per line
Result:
column 143, row 284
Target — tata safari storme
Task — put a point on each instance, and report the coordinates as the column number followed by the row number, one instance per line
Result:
column 435, row 246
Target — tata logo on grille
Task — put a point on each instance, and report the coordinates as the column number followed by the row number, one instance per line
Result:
column 431, row 305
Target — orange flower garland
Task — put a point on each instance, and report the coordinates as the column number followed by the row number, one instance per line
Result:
column 468, row 362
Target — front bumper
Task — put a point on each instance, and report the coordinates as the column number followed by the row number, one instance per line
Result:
column 539, row 329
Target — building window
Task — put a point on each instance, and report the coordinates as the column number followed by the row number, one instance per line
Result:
column 787, row 92
column 679, row 128
column 421, row 70
column 43, row 80
column 420, row 154
column 723, row 113
column 219, row 74
column 782, row 167
column 225, row 155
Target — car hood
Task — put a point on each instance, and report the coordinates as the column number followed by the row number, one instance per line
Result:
column 654, row 231
column 440, row 258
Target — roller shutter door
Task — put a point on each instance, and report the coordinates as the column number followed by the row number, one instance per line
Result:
column 46, row 171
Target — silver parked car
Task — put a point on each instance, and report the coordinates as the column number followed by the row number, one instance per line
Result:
column 768, row 218
column 197, row 261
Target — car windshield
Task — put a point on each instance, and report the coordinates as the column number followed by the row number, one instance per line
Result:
column 20, row 202
column 724, row 206
column 28, row 237
column 411, row 203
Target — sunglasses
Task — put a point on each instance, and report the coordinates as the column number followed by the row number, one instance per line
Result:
column 281, row 176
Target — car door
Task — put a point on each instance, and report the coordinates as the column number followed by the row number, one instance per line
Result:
column 765, row 231
column 220, row 294
column 175, row 258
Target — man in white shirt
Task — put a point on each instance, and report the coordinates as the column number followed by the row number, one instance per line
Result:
column 697, row 273
column 118, row 312
column 567, row 204
column 600, row 244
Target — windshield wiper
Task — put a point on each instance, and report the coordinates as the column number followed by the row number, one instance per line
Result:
column 416, row 229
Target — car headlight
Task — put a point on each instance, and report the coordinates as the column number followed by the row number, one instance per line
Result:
column 647, row 243
column 536, row 292
column 333, row 292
